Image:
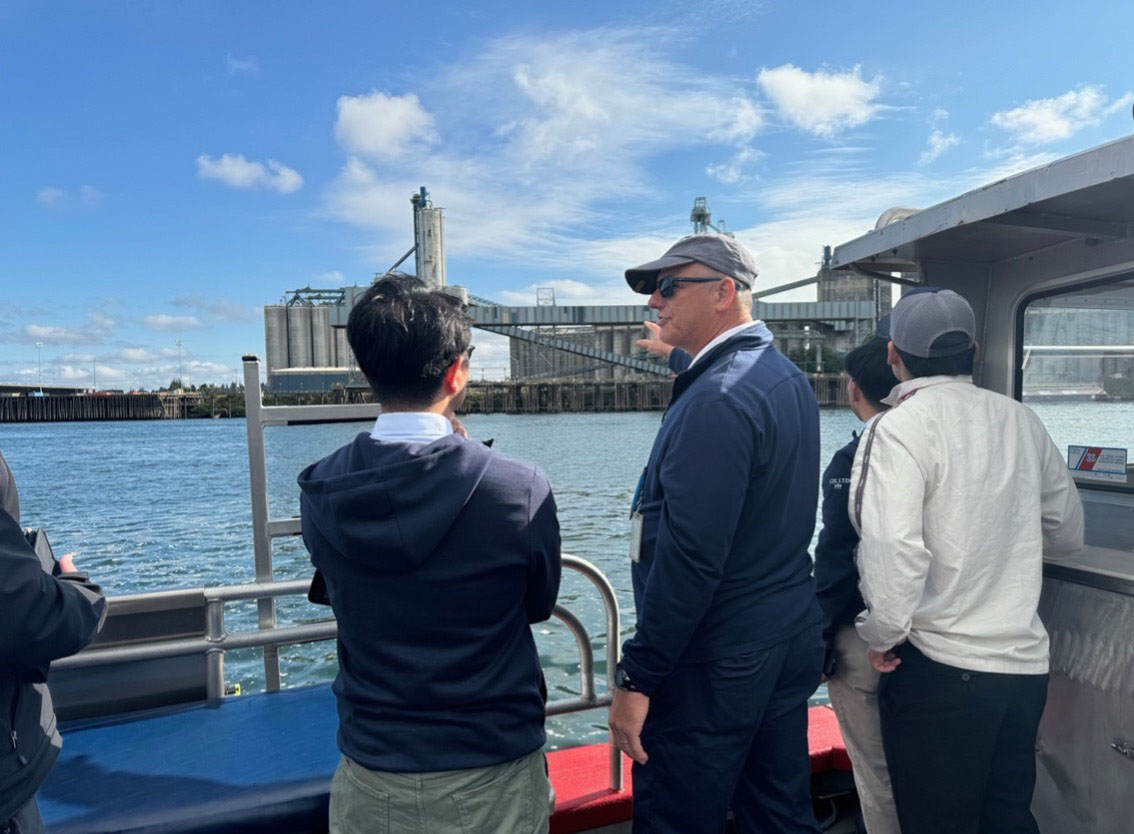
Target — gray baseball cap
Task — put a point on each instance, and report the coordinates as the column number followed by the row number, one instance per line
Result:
column 717, row 252
column 932, row 323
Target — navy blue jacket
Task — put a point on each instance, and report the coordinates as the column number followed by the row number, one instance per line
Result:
column 728, row 503
column 436, row 558
column 836, row 575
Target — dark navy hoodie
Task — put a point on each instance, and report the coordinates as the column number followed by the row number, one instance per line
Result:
column 728, row 503
column 436, row 558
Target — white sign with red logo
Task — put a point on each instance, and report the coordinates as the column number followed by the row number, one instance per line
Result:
column 1097, row 463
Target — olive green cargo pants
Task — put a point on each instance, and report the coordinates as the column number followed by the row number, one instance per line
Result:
column 510, row 798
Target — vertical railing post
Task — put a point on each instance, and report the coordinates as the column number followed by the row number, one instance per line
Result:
column 261, row 541
column 214, row 655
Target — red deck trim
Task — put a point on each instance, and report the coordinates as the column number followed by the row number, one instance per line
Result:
column 581, row 777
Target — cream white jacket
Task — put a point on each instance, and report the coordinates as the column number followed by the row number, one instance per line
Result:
column 962, row 497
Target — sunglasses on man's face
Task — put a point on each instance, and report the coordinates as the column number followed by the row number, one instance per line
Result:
column 667, row 286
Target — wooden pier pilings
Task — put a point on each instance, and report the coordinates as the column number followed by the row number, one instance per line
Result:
column 81, row 407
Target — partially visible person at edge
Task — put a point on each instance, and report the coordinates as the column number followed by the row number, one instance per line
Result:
column 436, row 554
column 43, row 617
column 852, row 683
column 711, row 697
column 958, row 494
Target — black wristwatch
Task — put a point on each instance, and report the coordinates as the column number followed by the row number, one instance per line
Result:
column 622, row 680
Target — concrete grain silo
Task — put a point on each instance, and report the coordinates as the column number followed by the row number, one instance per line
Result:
column 275, row 337
column 321, row 347
column 299, row 336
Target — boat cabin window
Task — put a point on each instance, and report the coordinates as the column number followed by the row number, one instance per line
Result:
column 1077, row 373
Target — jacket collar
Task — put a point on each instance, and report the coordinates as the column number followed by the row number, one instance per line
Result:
column 751, row 338
column 904, row 390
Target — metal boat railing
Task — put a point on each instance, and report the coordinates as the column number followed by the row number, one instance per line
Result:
column 218, row 640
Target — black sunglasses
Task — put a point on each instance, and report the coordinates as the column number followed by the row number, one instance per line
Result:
column 667, row 286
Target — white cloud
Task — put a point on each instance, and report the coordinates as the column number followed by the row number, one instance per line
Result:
column 1045, row 120
column 330, row 277
column 89, row 196
column 937, row 143
column 383, row 126
column 821, row 102
column 238, row 172
column 732, row 172
column 50, row 196
column 1122, row 103
column 216, row 309
column 571, row 292
column 164, row 321
column 235, row 64
column 555, row 127
column 97, row 329
column 86, row 196
column 136, row 355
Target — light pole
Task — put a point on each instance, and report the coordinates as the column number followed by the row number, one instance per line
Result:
column 180, row 378
column 39, row 363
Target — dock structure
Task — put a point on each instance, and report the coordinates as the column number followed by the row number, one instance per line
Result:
column 77, row 407
column 567, row 396
column 28, row 404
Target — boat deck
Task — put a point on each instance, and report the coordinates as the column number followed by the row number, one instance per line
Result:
column 263, row 763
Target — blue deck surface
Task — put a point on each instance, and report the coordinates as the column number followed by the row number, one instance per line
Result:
column 258, row 763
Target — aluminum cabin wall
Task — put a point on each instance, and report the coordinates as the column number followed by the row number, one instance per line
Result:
column 299, row 336
column 275, row 337
column 322, row 355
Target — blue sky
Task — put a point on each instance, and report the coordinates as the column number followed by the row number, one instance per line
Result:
column 172, row 167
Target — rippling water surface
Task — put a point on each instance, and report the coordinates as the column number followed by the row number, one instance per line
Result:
column 165, row 504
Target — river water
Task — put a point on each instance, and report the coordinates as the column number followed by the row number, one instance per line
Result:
column 165, row 504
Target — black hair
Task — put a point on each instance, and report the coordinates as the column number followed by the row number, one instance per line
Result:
column 956, row 364
column 404, row 336
column 866, row 365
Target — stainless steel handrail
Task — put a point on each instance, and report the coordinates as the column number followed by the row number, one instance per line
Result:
column 217, row 641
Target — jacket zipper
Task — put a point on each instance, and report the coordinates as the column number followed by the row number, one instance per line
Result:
column 13, row 736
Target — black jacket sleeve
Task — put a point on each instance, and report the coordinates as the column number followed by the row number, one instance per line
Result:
column 42, row 617
column 836, row 575
column 545, row 566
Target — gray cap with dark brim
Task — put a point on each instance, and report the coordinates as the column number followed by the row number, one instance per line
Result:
column 721, row 254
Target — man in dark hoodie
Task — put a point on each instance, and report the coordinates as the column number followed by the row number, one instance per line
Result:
column 436, row 555
column 43, row 616
column 712, row 690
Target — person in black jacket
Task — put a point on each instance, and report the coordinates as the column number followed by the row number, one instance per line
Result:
column 852, row 683
column 436, row 555
column 43, row 616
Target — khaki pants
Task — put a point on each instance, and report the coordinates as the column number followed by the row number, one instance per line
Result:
column 510, row 798
column 854, row 695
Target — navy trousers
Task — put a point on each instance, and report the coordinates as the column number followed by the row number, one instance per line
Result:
column 731, row 733
column 960, row 746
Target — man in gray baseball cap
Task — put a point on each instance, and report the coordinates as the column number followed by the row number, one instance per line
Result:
column 958, row 494
column 711, row 694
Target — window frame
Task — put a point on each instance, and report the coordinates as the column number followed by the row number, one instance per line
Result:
column 1018, row 369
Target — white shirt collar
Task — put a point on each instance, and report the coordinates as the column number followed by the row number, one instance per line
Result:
column 411, row 427
column 905, row 390
column 724, row 337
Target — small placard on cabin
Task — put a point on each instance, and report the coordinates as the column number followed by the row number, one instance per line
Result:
column 1097, row 463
